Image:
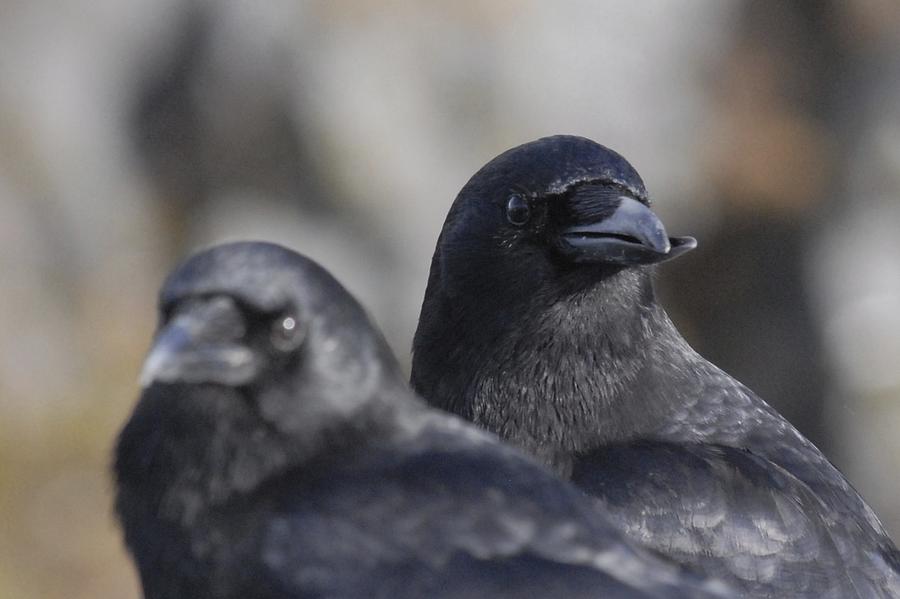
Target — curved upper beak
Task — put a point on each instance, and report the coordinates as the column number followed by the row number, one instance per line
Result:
column 632, row 234
column 201, row 344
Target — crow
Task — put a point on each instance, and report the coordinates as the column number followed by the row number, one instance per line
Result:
column 540, row 323
column 277, row 452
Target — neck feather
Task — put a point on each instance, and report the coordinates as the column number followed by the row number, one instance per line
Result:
column 561, row 383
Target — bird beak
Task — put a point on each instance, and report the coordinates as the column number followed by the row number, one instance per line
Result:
column 632, row 234
column 198, row 346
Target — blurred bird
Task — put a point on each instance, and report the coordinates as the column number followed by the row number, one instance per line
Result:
column 540, row 324
column 276, row 451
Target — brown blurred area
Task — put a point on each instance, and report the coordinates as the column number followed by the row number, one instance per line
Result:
column 132, row 133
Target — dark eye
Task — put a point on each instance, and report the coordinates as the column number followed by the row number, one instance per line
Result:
column 517, row 210
column 287, row 333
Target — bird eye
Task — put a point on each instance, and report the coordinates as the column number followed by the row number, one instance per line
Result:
column 287, row 334
column 517, row 210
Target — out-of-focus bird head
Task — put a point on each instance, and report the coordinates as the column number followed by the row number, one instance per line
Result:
column 270, row 334
column 559, row 211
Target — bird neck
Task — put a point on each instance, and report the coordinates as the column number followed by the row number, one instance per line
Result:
column 563, row 382
column 179, row 461
column 192, row 482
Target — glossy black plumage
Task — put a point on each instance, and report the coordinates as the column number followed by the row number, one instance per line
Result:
column 563, row 350
column 276, row 452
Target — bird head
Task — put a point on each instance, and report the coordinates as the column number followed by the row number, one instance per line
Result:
column 260, row 322
column 540, row 287
column 559, row 208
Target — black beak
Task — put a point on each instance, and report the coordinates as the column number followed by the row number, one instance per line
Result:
column 201, row 344
column 632, row 234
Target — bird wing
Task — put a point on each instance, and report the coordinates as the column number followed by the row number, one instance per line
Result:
column 456, row 519
column 737, row 516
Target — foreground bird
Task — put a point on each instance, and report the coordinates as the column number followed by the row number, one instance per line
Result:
column 276, row 452
column 540, row 324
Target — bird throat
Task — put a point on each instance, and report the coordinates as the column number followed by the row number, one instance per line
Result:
column 556, row 384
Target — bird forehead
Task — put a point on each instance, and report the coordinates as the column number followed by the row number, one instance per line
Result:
column 262, row 289
column 264, row 276
column 262, row 298
column 554, row 165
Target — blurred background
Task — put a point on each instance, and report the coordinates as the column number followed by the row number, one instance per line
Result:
column 132, row 132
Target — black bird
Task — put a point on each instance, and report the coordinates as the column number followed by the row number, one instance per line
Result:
column 276, row 452
column 540, row 323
